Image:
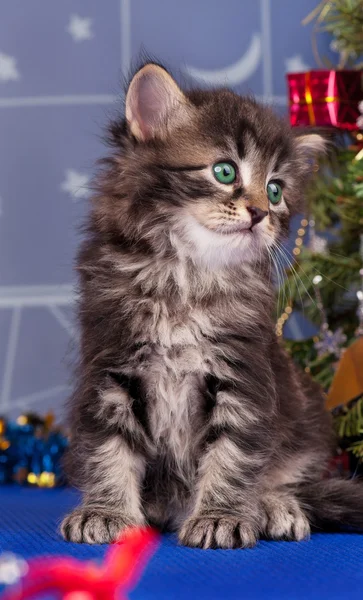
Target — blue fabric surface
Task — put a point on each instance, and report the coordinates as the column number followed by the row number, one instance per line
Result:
column 326, row 566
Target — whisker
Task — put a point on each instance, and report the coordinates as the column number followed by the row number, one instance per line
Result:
column 272, row 267
column 291, row 266
column 337, row 255
column 295, row 275
column 286, row 278
column 331, row 280
column 270, row 261
column 280, row 281
column 322, row 274
column 281, row 276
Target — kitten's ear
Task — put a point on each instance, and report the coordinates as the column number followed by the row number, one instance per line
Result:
column 154, row 103
column 312, row 145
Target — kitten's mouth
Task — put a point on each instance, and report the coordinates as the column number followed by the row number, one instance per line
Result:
column 242, row 228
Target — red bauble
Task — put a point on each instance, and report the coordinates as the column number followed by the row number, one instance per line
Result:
column 71, row 579
column 325, row 98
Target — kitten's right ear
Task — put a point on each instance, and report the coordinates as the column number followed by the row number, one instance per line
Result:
column 154, row 103
column 315, row 142
column 311, row 144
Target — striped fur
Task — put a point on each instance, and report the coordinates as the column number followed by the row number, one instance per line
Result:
column 187, row 413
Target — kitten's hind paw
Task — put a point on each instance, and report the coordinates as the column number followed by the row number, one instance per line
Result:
column 93, row 526
column 222, row 532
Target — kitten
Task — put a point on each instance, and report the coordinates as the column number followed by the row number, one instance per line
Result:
column 188, row 414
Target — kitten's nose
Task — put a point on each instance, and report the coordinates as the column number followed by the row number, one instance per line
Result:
column 257, row 214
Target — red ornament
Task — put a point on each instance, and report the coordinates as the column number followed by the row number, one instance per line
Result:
column 71, row 579
column 325, row 98
column 339, row 465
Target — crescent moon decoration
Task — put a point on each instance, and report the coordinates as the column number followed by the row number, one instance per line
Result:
column 233, row 74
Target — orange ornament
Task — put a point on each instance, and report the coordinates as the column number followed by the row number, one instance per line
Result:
column 348, row 379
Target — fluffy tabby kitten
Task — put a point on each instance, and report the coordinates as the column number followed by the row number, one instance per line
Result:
column 187, row 413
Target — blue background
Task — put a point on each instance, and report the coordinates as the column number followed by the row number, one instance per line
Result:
column 57, row 90
column 327, row 566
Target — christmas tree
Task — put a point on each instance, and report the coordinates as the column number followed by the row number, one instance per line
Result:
column 343, row 19
column 325, row 278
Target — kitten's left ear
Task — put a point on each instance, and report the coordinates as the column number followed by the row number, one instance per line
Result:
column 311, row 145
column 154, row 103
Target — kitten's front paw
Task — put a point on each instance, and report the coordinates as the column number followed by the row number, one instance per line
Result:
column 222, row 532
column 285, row 520
column 93, row 526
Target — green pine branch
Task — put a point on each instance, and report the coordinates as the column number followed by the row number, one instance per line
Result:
column 336, row 205
column 349, row 421
column 348, row 424
column 357, row 449
column 343, row 19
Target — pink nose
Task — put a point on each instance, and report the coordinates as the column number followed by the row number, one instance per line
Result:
column 257, row 214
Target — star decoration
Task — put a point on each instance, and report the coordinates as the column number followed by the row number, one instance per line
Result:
column 318, row 244
column 295, row 64
column 79, row 28
column 75, row 184
column 334, row 46
column 8, row 68
column 330, row 342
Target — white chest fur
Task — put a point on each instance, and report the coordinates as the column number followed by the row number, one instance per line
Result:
column 174, row 376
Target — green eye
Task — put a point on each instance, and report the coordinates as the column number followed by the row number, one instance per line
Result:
column 274, row 192
column 224, row 172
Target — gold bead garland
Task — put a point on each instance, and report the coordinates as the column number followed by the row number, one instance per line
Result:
column 296, row 251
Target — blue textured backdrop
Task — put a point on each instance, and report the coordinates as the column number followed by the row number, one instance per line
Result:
column 60, row 68
column 328, row 566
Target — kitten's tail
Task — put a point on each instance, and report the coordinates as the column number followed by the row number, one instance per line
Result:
column 333, row 502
